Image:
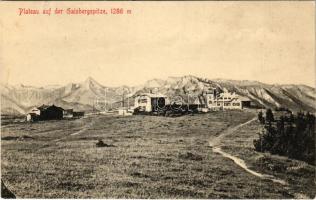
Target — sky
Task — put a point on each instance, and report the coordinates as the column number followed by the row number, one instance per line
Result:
column 271, row 42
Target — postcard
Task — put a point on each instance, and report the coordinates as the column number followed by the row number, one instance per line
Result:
column 158, row 99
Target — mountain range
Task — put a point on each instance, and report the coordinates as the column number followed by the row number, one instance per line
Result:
column 90, row 95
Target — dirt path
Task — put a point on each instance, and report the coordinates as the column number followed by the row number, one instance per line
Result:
column 84, row 128
column 216, row 141
column 241, row 163
column 215, row 144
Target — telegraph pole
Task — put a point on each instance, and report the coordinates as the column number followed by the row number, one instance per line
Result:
column 123, row 99
column 123, row 103
column 105, row 90
column 223, row 101
column 188, row 102
column 127, row 102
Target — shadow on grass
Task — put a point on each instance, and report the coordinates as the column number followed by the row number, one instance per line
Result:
column 23, row 137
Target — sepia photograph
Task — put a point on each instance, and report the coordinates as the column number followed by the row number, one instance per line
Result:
column 158, row 100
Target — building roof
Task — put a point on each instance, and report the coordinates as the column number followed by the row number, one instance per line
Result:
column 226, row 96
column 242, row 98
column 34, row 109
column 43, row 107
column 56, row 107
column 152, row 95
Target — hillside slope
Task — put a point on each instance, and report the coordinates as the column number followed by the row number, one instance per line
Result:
column 88, row 94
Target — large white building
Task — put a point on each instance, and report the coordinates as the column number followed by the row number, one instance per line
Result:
column 148, row 102
column 226, row 100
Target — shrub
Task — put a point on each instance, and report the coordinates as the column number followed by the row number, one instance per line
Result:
column 100, row 143
column 269, row 116
column 292, row 136
column 260, row 117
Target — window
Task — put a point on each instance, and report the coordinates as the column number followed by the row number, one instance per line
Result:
column 142, row 100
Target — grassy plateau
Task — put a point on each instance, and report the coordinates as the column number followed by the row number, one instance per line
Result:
column 146, row 157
